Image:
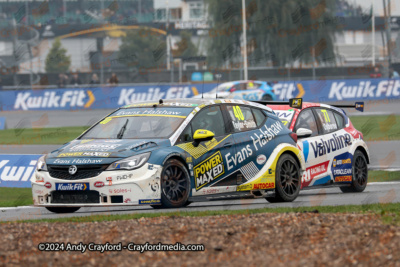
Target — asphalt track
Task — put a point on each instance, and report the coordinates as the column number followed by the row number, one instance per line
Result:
column 385, row 192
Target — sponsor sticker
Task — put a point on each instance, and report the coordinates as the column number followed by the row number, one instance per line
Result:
column 149, row 201
column 85, row 154
column 98, row 184
column 244, row 187
column 47, row 185
column 39, row 179
column 312, row 172
column 264, row 186
column 347, row 178
column 73, row 186
column 341, row 161
column 208, row 170
column 342, row 171
column 261, row 159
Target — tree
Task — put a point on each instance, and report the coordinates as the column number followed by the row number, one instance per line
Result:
column 278, row 31
column 142, row 49
column 57, row 59
column 186, row 48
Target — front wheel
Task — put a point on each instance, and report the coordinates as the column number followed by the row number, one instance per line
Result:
column 287, row 180
column 175, row 185
column 63, row 209
column 360, row 174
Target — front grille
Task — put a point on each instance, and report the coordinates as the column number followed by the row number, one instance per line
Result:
column 83, row 172
column 75, row 197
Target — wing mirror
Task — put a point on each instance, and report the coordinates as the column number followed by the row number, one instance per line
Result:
column 303, row 132
column 201, row 135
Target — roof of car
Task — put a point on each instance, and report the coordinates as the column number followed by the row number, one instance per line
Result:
column 305, row 105
column 195, row 102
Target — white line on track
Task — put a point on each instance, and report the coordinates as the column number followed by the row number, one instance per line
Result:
column 13, row 208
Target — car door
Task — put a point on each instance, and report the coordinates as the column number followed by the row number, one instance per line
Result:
column 207, row 164
column 334, row 143
column 244, row 126
column 316, row 163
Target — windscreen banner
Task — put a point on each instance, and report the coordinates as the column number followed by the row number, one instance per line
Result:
column 114, row 97
column 17, row 170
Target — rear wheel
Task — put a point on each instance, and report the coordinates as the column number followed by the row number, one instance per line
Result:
column 63, row 209
column 287, row 180
column 175, row 185
column 360, row 174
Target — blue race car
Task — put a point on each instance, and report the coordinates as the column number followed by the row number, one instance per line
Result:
column 246, row 90
column 170, row 153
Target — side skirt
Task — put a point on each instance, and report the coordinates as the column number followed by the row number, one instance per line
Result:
column 234, row 195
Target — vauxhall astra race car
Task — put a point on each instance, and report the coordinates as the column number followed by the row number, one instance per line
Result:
column 173, row 152
column 245, row 90
column 334, row 151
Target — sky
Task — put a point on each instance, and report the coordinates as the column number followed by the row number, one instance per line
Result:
column 378, row 6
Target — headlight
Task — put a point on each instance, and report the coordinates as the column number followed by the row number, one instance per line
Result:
column 130, row 163
column 41, row 164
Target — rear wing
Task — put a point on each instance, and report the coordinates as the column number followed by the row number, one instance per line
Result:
column 293, row 102
column 357, row 105
column 298, row 103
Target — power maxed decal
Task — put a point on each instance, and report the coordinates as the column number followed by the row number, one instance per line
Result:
column 208, row 170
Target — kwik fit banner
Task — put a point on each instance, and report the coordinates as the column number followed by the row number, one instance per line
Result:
column 17, row 170
column 92, row 98
column 114, row 97
column 338, row 90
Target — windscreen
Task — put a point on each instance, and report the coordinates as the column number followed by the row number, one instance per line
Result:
column 285, row 116
column 139, row 123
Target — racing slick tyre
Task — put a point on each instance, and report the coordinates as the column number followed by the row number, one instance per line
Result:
column 63, row 209
column 175, row 185
column 287, row 180
column 266, row 97
column 360, row 174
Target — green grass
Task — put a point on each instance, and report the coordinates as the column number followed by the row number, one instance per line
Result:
column 383, row 176
column 40, row 136
column 390, row 213
column 376, row 128
column 13, row 197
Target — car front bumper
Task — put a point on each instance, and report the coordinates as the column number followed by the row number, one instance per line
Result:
column 111, row 188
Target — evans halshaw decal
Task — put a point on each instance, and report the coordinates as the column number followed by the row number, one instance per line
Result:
column 77, row 161
column 208, row 170
column 260, row 139
column 17, row 170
